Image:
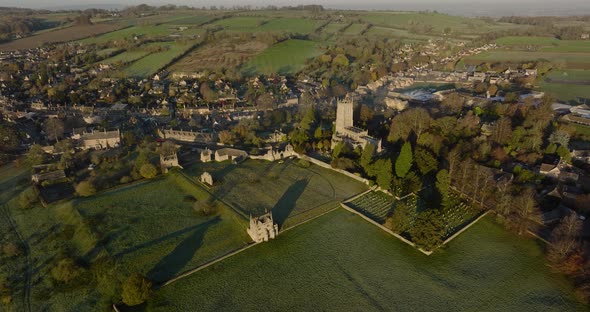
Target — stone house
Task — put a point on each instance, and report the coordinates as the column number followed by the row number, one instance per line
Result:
column 100, row 139
column 206, row 155
column 263, row 228
column 48, row 176
column 230, row 154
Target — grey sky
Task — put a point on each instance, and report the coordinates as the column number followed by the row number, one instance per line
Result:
column 458, row 7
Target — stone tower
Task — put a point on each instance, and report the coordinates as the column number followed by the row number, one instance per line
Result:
column 344, row 111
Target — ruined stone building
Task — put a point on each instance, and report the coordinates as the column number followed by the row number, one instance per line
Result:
column 263, row 228
column 347, row 132
column 206, row 178
column 167, row 162
column 206, row 155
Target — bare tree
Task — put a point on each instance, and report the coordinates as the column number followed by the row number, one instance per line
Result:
column 54, row 128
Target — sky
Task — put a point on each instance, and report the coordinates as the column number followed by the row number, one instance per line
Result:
column 455, row 7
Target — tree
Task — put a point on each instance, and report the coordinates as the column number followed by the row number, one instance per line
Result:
column 453, row 103
column 136, row 289
column 415, row 121
column 381, row 170
column 404, row 161
column 227, row 137
column 428, row 229
column 168, row 148
column 66, row 270
column 36, row 155
column 366, row 114
column 54, row 128
column 340, row 60
column 565, row 239
column 11, row 249
column 265, row 101
column 403, row 217
column 560, row 137
column 443, row 183
column 148, row 171
column 9, row 139
column 367, row 156
column 86, row 188
column 425, row 161
column 526, row 214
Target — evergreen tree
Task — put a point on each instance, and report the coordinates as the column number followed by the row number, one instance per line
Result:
column 404, row 161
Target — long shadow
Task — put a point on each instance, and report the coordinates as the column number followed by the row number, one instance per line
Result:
column 286, row 203
column 175, row 261
column 161, row 239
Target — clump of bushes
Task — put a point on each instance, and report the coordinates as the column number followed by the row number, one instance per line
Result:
column 136, row 289
column 86, row 188
column 148, row 171
column 303, row 163
column 205, row 208
column 27, row 198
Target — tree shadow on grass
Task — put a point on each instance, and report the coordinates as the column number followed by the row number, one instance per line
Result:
column 175, row 261
column 286, row 204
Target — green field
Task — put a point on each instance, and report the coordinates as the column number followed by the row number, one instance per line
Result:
column 340, row 262
column 355, row 29
column 148, row 31
column 126, row 57
column 333, row 27
column 283, row 58
column 438, row 22
column 567, row 85
column 398, row 33
column 546, row 44
column 147, row 227
column 268, row 24
column 569, row 60
column 291, row 192
column 151, row 63
column 192, row 20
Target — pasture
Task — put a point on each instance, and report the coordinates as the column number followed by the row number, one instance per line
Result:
column 148, row 227
column 282, row 58
column 214, row 55
column 339, row 261
column 153, row 62
column 143, row 31
column 333, row 27
column 568, row 60
column 355, row 29
column 125, row 57
column 268, row 24
column 291, row 192
column 545, row 44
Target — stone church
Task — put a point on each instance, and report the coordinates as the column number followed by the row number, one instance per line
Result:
column 347, row 132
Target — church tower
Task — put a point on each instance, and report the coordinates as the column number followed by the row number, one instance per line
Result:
column 344, row 111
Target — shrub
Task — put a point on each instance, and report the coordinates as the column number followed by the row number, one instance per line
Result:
column 125, row 180
column 66, row 270
column 27, row 198
column 11, row 249
column 205, row 208
column 86, row 188
column 136, row 289
column 148, row 171
column 303, row 163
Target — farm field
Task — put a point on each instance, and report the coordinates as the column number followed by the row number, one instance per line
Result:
column 153, row 62
column 143, row 30
column 147, row 227
column 571, row 60
column 438, row 22
column 282, row 58
column 546, row 44
column 191, row 20
column 291, row 192
column 224, row 53
column 333, row 27
column 398, row 33
column 329, row 265
column 240, row 23
column 567, row 85
column 60, row 35
column 125, row 57
column 268, row 24
column 355, row 29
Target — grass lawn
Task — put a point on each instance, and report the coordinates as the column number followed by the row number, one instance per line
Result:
column 192, row 20
column 150, row 64
column 282, row 58
column 142, row 30
column 148, row 227
column 398, row 33
column 292, row 193
column 565, row 92
column 340, row 262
